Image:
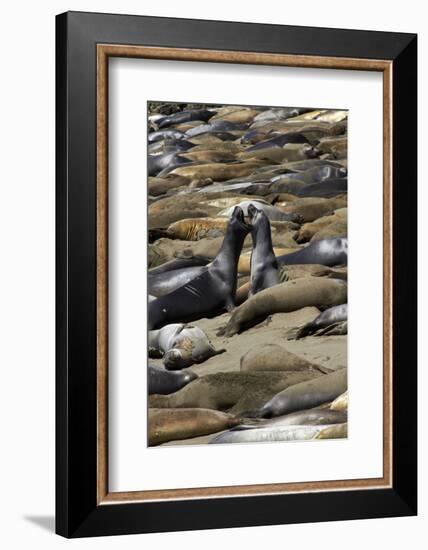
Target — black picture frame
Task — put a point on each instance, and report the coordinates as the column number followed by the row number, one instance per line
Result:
column 77, row 512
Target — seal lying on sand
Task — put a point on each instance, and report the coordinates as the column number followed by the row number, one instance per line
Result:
column 171, row 424
column 181, row 345
column 309, row 417
column 327, row 318
column 272, row 357
column 264, row 267
column 232, row 391
column 269, row 434
column 273, row 214
column 340, row 403
column 337, row 431
column 305, row 395
column 327, row 252
column 164, row 382
column 284, row 298
column 210, row 292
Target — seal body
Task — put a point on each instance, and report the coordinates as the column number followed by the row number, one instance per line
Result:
column 284, row 298
column 173, row 424
column 164, row 382
column 329, row 317
column 234, row 392
column 327, row 252
column 269, row 434
column 181, row 345
column 306, row 395
column 210, row 292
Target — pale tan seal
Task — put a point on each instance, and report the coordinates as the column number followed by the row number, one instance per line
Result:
column 308, row 230
column 340, row 403
column 238, row 116
column 174, row 424
column 337, row 431
column 331, row 231
column 217, row 171
column 312, row 208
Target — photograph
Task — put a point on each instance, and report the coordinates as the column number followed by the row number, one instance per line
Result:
column 247, row 253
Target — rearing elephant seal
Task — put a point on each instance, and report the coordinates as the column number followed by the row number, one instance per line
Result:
column 306, row 395
column 264, row 267
column 181, row 345
column 210, row 292
column 284, row 298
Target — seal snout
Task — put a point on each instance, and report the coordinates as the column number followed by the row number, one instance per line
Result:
column 173, row 360
column 238, row 215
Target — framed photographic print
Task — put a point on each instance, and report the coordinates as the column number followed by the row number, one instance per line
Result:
column 236, row 274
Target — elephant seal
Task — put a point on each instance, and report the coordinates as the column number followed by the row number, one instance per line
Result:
column 165, row 134
column 163, row 382
column 278, row 141
column 290, row 152
column 269, row 434
column 309, row 417
column 210, row 292
column 337, row 431
column 273, row 214
column 175, row 424
column 326, row 188
column 272, row 357
column 290, row 272
column 164, row 283
column 305, row 395
column 179, row 263
column 185, row 116
column 313, row 175
column 312, row 208
column 264, row 267
column 328, row 252
column 340, row 403
column 181, row 345
column 242, row 115
column 327, row 318
column 284, row 298
column 157, row 163
column 234, row 392
column 308, row 230
column 217, row 171
column 336, row 229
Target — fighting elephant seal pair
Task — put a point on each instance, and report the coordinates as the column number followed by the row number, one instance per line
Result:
column 284, row 298
column 211, row 291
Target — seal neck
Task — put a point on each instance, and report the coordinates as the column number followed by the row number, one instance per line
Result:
column 231, row 246
column 265, row 242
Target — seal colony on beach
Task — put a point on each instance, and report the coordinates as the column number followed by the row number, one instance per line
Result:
column 247, row 286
